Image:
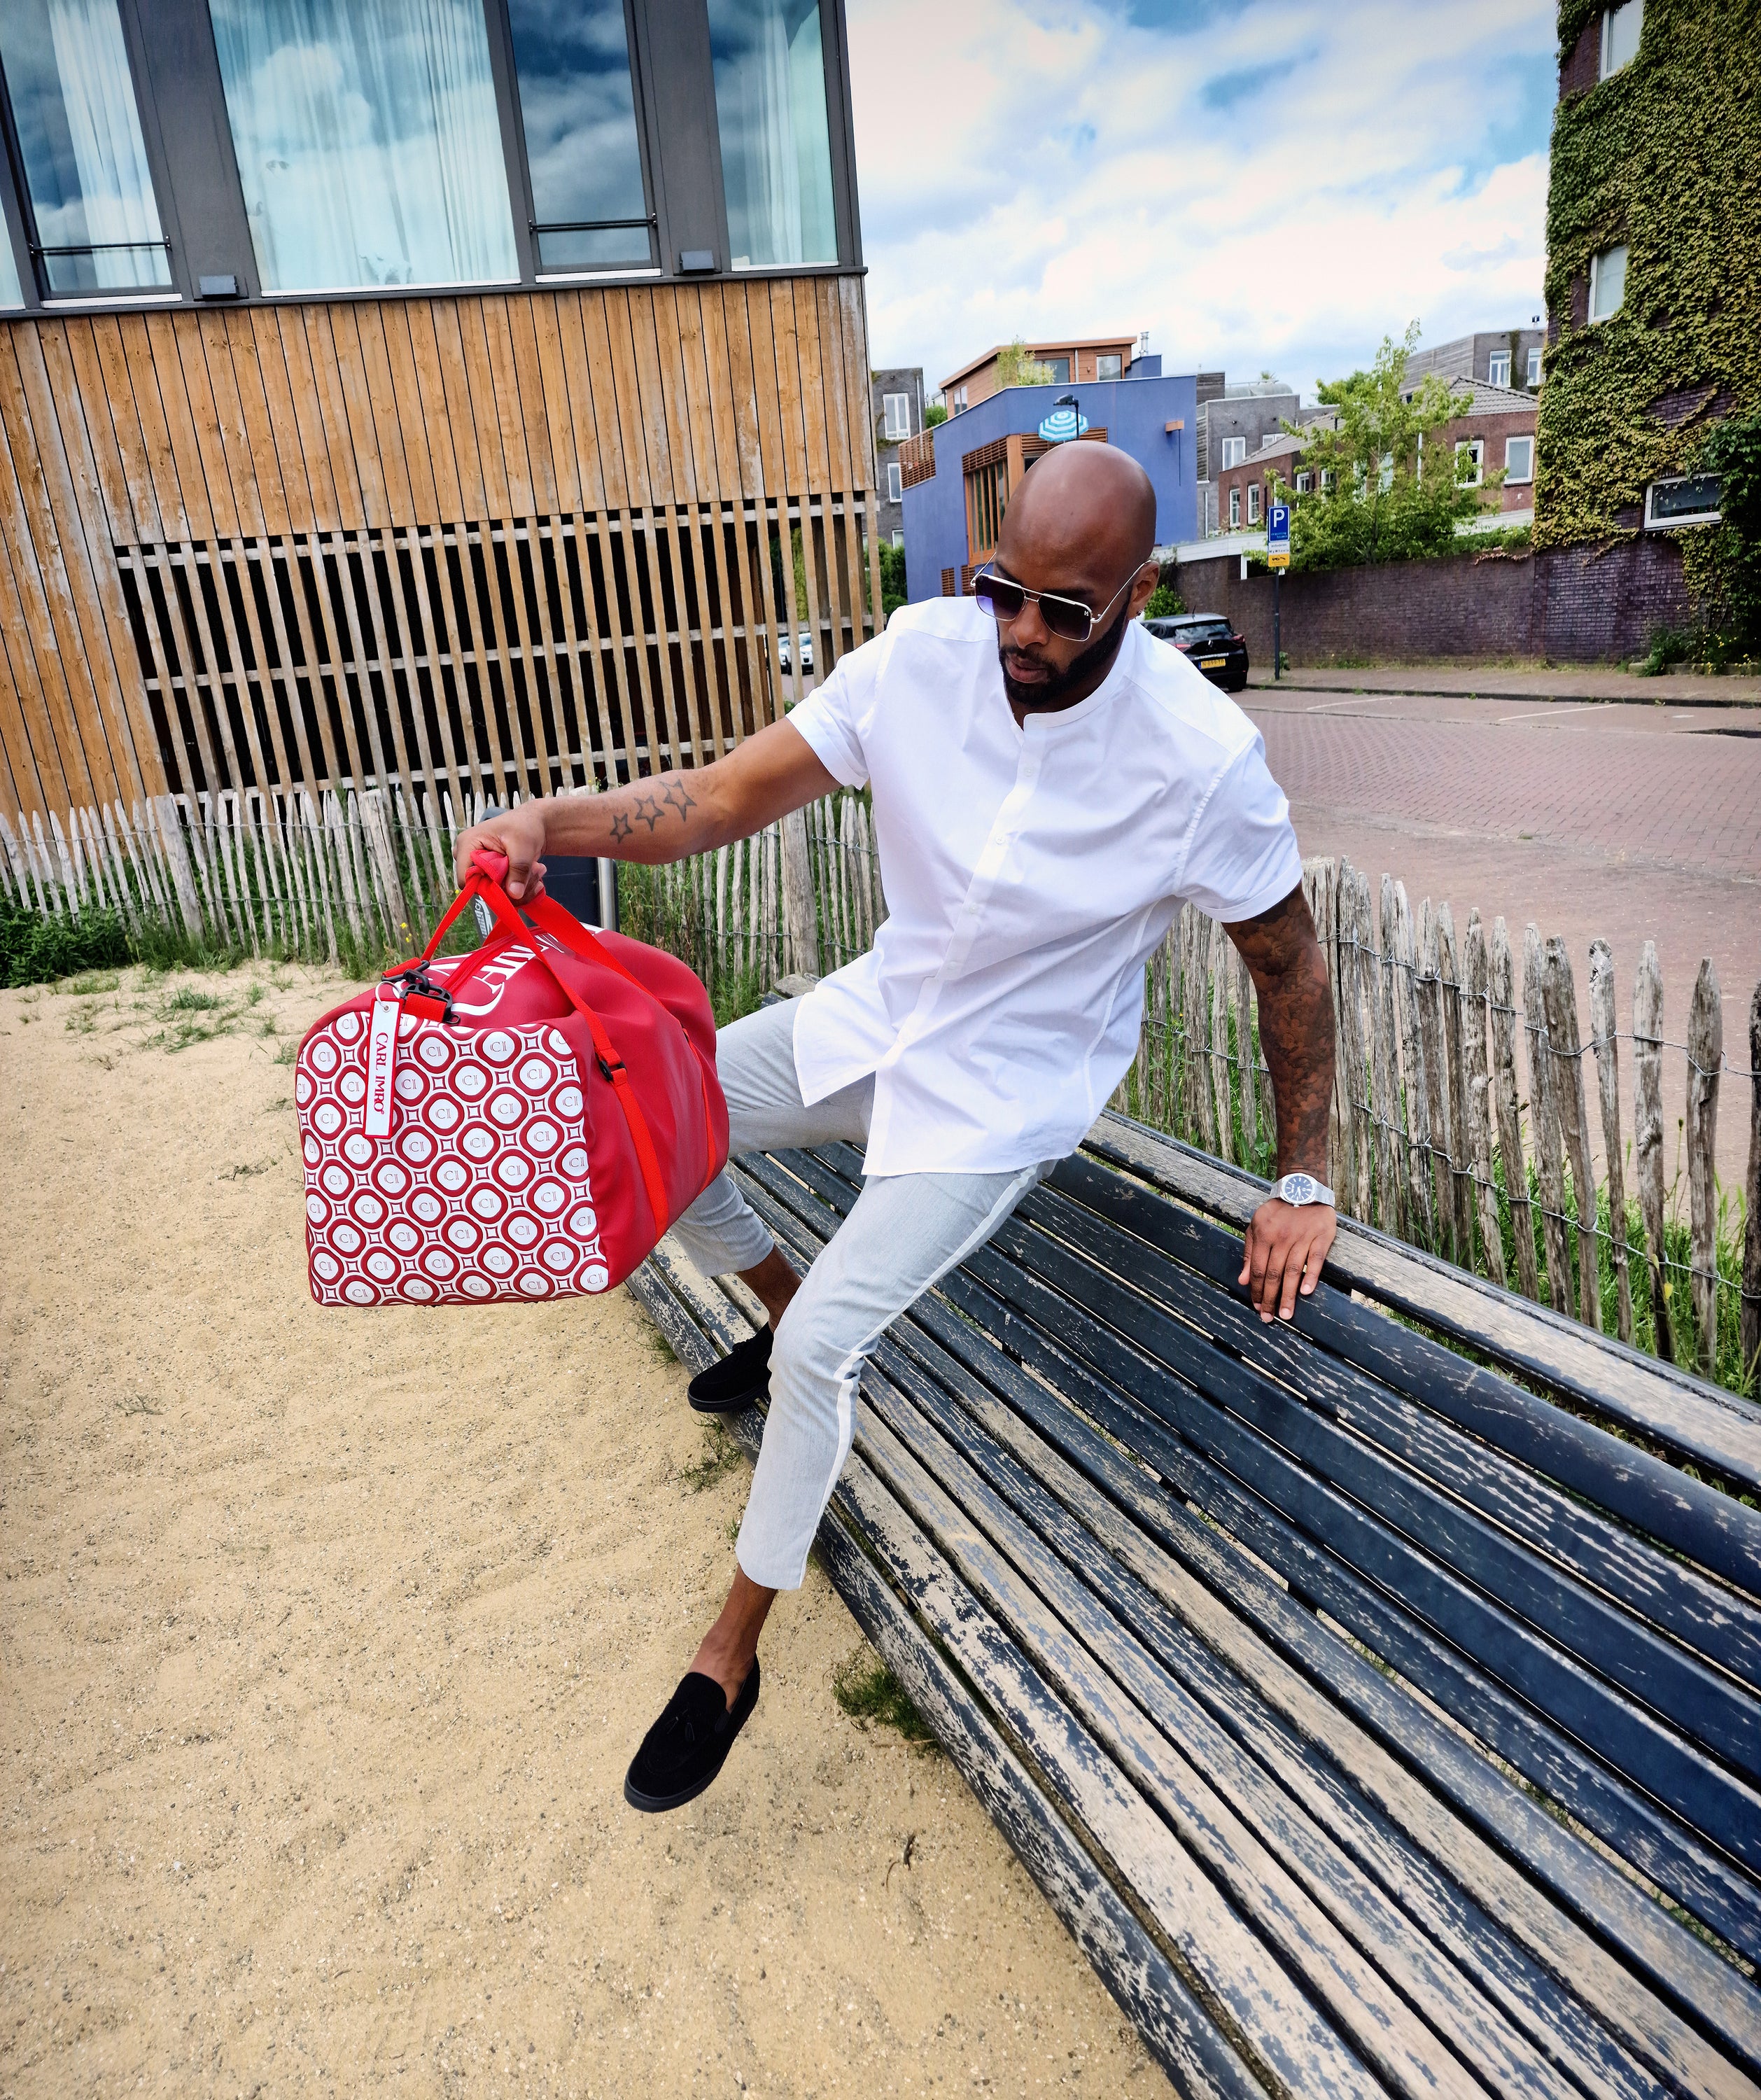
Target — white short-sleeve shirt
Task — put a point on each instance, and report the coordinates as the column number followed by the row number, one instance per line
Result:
column 1029, row 874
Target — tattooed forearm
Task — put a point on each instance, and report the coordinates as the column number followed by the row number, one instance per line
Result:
column 1290, row 975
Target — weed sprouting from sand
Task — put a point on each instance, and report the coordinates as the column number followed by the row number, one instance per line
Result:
column 867, row 1691
column 721, row 1455
column 187, row 1000
column 138, row 1403
column 288, row 1054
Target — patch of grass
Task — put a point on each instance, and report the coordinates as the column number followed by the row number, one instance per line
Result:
column 867, row 1691
column 187, row 1000
column 89, row 985
column 721, row 1455
column 288, row 1054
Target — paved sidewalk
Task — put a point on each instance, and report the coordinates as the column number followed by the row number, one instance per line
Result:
column 1628, row 822
column 1588, row 682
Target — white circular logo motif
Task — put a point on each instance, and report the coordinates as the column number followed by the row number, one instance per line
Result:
column 302, row 1088
column 357, row 1150
column 381, row 1265
column 326, row 1266
column 574, row 1162
column 472, row 1080
column 512, row 1171
column 498, row 1046
column 389, row 1179
column 352, row 1087
column 497, row 1260
column 584, row 1221
column 438, row 1262
column 534, row 1285
column 415, row 1287
column 324, row 1057
column 507, row 1109
column 434, row 1051
column 346, row 1236
column 417, row 1147
column 360, row 1294
column 522, row 1231
column 543, row 1136
column 593, row 1277
column 487, row 1202
column 348, row 1027
column 559, row 1256
column 335, row 1180
column 476, row 1286
column 317, row 1209
column 477, row 1141
column 535, row 1075
column 451, row 1175
column 405, row 1238
column 443, row 1114
column 427, row 1207
column 568, row 1101
column 550, row 1196
column 328, row 1118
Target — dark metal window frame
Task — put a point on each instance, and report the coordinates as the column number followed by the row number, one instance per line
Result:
column 678, row 137
column 20, row 213
column 527, row 226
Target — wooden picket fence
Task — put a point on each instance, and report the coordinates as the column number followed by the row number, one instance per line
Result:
column 1440, row 1134
column 1437, row 1137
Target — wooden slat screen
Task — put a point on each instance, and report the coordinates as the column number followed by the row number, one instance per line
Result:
column 494, row 540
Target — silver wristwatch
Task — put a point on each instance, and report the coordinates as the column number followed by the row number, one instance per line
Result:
column 1302, row 1188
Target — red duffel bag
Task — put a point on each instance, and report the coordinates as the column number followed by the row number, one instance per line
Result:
column 525, row 1121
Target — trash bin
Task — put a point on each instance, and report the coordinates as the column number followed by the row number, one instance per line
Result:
column 576, row 881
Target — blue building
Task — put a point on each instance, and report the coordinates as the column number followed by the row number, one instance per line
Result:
column 953, row 508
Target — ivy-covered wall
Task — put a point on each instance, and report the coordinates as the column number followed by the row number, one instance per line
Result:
column 1666, row 156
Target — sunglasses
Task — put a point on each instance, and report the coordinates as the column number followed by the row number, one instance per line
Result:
column 1066, row 617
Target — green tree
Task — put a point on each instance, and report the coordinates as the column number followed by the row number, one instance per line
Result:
column 936, row 412
column 1017, row 366
column 1164, row 603
column 1379, row 493
column 892, row 581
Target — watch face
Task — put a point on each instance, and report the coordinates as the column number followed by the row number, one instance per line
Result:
column 1299, row 1187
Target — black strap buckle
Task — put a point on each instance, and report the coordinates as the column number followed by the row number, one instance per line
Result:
column 414, row 978
column 607, row 1070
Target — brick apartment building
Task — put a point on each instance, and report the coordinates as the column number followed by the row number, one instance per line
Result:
column 1497, row 423
column 1501, row 357
column 1071, row 360
column 896, row 403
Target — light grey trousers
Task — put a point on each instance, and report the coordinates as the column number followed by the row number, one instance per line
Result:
column 904, row 1231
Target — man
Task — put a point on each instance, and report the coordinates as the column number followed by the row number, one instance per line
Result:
column 1050, row 783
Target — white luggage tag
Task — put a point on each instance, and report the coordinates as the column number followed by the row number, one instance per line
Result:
column 382, row 1060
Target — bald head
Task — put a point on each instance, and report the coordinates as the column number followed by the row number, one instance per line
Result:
column 1081, row 524
column 1084, row 513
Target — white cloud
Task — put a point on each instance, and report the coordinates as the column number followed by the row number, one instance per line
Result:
column 1280, row 187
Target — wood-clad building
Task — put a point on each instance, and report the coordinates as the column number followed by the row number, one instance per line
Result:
column 509, row 515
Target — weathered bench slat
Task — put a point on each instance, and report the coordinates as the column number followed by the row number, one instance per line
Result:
column 1176, row 2029
column 1704, row 1882
column 1084, row 1527
column 1099, row 1606
column 1702, row 1613
column 1205, row 1396
column 1725, row 1898
column 1663, row 1405
column 1576, row 1874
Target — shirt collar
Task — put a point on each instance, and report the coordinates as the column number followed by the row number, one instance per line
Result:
column 1042, row 723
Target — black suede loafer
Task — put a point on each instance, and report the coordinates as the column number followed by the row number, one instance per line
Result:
column 688, row 1745
column 741, row 1377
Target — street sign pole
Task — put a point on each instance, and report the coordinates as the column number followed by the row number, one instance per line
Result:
column 1278, row 560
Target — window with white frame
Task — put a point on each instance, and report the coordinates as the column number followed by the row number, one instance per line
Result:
column 1253, row 503
column 1683, row 499
column 1305, row 484
column 895, row 484
column 1235, row 509
column 1497, row 368
column 898, row 538
column 1621, row 28
column 1107, row 366
column 959, row 399
column 1470, row 461
column 1608, row 282
column 1327, row 481
column 1534, row 365
column 896, row 409
column 1519, row 459
column 1234, row 452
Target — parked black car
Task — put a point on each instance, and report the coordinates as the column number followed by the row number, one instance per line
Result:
column 1212, row 643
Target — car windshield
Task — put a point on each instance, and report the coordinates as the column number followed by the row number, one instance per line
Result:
column 1203, row 630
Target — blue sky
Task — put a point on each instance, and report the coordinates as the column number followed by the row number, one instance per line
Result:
column 1274, row 185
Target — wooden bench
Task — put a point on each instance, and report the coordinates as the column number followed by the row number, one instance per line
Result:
column 1381, row 1716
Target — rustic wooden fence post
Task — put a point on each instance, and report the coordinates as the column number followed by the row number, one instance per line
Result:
column 1602, row 1034
column 1567, row 1072
column 1428, row 986
column 1385, row 1030
column 1479, row 1100
column 1543, row 1101
column 1647, row 1134
column 1416, row 1122
column 1705, row 1054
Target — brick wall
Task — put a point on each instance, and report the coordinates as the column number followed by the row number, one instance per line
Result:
column 1571, row 605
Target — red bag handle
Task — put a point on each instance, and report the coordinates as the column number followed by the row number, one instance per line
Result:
column 484, row 880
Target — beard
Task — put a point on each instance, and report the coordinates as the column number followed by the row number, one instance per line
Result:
column 1051, row 693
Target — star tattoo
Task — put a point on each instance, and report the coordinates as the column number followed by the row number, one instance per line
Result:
column 620, row 826
column 648, row 809
column 676, row 798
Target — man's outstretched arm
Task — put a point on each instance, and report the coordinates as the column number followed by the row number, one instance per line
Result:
column 1286, row 1242
column 662, row 818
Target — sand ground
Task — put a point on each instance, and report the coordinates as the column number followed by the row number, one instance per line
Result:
column 325, row 1638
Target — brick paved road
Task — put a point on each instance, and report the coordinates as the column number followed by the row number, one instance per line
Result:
column 1626, row 821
